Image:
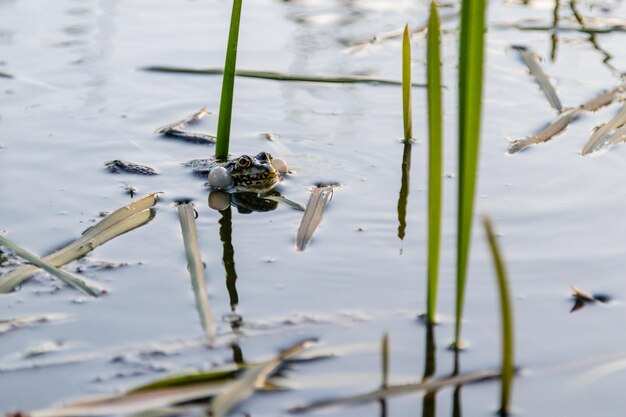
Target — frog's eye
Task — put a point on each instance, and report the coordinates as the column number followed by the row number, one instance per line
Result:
column 264, row 156
column 244, row 162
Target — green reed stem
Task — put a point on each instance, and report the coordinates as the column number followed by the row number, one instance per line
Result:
column 435, row 152
column 508, row 336
column 407, row 107
column 228, row 85
column 470, row 103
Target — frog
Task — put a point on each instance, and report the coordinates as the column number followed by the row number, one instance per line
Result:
column 259, row 173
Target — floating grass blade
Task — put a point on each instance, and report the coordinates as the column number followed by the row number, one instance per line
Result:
column 120, row 221
column 407, row 112
column 320, row 197
column 281, row 76
column 186, row 214
column 254, row 377
column 179, row 130
column 555, row 127
column 506, row 316
column 470, row 106
column 182, row 123
column 435, row 156
column 602, row 136
column 187, row 380
column 563, row 120
column 228, row 84
column 530, row 59
column 81, row 284
column 25, row 321
column 395, row 390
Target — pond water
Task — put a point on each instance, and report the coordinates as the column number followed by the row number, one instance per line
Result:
column 79, row 98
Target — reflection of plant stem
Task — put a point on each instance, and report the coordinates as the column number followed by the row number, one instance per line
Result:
column 228, row 257
column 383, row 407
column 429, row 405
column 456, row 396
column 592, row 37
column 456, row 402
column 237, row 354
column 555, row 36
column 404, row 190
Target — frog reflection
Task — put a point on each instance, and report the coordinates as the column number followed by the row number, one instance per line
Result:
column 245, row 202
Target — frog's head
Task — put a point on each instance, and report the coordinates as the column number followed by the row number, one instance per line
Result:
column 253, row 173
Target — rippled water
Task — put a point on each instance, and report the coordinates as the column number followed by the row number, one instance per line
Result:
column 79, row 98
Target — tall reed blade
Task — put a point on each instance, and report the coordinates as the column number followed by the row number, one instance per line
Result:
column 186, row 214
column 470, row 104
column 407, row 111
column 435, row 152
column 228, row 85
column 506, row 316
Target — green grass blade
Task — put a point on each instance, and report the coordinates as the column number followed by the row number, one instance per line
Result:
column 407, row 112
column 186, row 214
column 507, row 318
column 81, row 284
column 470, row 104
column 435, row 156
column 228, row 84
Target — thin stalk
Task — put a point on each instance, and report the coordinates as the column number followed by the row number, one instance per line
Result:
column 507, row 318
column 407, row 112
column 228, row 85
column 435, row 154
column 470, row 104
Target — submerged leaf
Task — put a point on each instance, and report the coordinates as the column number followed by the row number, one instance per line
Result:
column 285, row 201
column 530, row 59
column 81, row 284
column 118, row 166
column 186, row 214
column 120, row 221
column 319, row 199
column 280, row 76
